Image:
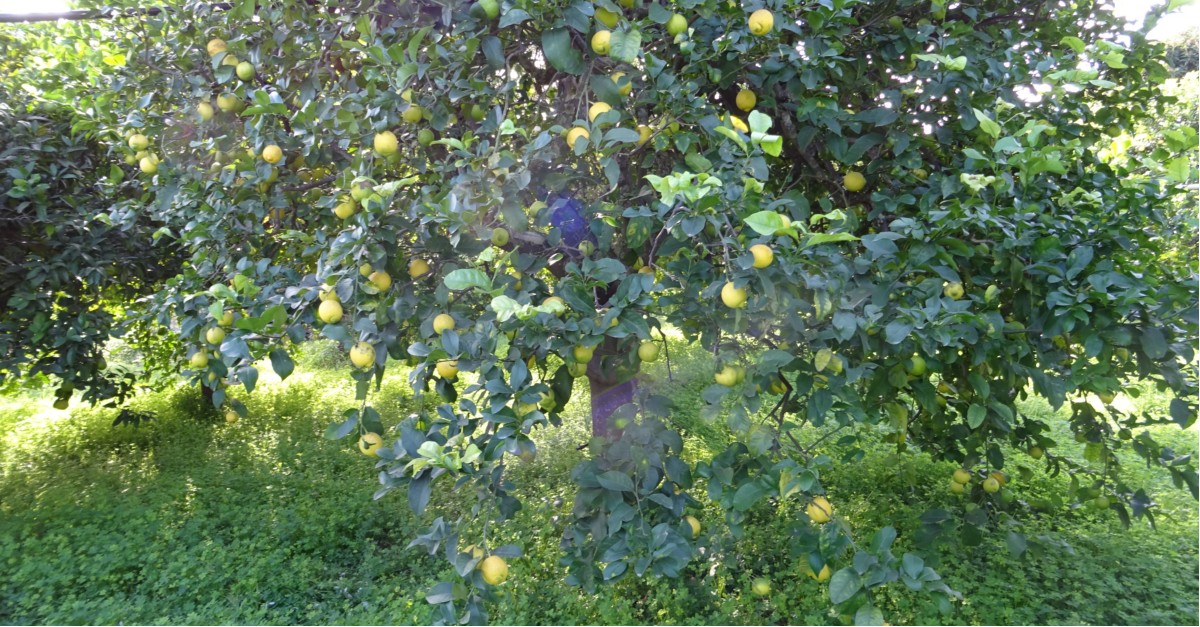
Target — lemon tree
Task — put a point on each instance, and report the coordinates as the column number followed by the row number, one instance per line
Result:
column 878, row 217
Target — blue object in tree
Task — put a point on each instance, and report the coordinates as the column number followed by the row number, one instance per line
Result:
column 567, row 215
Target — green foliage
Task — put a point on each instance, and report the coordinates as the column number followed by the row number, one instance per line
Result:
column 68, row 270
column 1183, row 53
column 263, row 522
column 955, row 225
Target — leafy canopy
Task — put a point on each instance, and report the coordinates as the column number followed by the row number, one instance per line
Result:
column 953, row 221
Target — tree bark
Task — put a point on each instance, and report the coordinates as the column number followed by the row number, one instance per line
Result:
column 610, row 388
column 606, row 398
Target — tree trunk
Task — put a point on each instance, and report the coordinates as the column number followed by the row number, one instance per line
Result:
column 610, row 388
column 606, row 398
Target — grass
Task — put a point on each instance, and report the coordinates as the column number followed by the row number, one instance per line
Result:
column 188, row 521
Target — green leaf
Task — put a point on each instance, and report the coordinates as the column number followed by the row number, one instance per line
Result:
column 616, row 481
column 697, row 162
column 868, row 615
column 493, row 52
column 844, row 585
column 249, row 377
column 1016, row 543
column 879, row 117
column 1075, row 43
column 1179, row 170
column 512, row 17
column 281, row 363
column 986, row 124
column 1008, row 144
column 622, row 135
column 766, row 222
column 759, row 122
column 1154, row 344
column 747, row 495
column 896, row 332
column 222, row 291
column 1114, row 60
column 1181, row 413
column 505, row 308
column 557, row 48
column 816, row 239
column 772, row 145
column 731, row 134
column 339, row 430
column 625, row 45
column 442, row 592
column 467, row 278
column 975, row 415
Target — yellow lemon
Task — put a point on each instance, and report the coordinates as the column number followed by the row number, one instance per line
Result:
column 381, row 280
column 362, row 355
column 596, row 109
column 677, row 24
column 575, row 135
column 644, row 134
column 215, row 336
column 418, row 268
column 606, row 17
column 330, row 312
column 216, row 46
column 386, row 143
column 648, row 352
column 494, row 570
column 370, row 443
column 272, row 154
column 746, row 100
column 734, row 297
column 623, row 89
column 229, row 103
column 819, row 510
column 601, row 42
column 443, row 322
column 245, row 70
column 761, row 22
column 447, row 369
column 763, row 255
column 727, row 376
column 583, row 354
column 854, row 181
column 412, row 114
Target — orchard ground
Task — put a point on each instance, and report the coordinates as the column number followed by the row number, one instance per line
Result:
column 187, row 520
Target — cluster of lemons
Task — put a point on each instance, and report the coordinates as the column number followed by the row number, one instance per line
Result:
column 962, row 477
column 760, row 22
column 819, row 511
